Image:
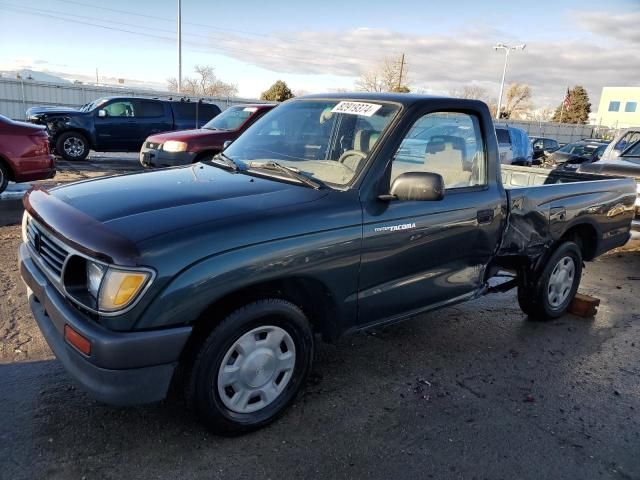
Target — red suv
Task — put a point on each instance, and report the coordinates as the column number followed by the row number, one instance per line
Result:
column 24, row 152
column 188, row 146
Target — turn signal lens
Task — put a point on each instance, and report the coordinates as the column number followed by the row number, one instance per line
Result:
column 119, row 288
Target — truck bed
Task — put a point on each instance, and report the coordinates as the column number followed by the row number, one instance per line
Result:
column 543, row 205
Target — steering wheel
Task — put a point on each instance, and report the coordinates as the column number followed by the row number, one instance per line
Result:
column 349, row 154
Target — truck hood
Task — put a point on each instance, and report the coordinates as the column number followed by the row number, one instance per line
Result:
column 144, row 205
column 40, row 111
column 186, row 135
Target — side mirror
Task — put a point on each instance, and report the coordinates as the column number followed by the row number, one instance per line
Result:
column 416, row 186
column 102, row 113
column 226, row 144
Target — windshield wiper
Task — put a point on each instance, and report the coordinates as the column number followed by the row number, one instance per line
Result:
column 228, row 161
column 291, row 172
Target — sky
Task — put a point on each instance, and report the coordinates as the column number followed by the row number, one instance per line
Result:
column 325, row 45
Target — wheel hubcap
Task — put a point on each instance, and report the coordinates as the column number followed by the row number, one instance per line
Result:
column 73, row 146
column 256, row 369
column 561, row 281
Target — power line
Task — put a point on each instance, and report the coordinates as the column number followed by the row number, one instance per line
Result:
column 224, row 49
column 212, row 27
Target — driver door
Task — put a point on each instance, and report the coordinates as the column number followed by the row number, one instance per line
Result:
column 116, row 125
column 418, row 254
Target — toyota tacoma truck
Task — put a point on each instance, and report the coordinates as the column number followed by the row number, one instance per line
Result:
column 116, row 124
column 218, row 277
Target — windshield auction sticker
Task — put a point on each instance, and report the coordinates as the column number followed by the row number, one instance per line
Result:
column 357, row 108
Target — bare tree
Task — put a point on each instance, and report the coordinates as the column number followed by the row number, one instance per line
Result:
column 475, row 92
column 206, row 83
column 470, row 91
column 384, row 78
column 517, row 101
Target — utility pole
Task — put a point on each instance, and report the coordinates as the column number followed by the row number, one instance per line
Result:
column 507, row 49
column 179, row 46
column 401, row 71
column 97, row 81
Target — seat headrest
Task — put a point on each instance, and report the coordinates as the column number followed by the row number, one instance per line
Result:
column 365, row 140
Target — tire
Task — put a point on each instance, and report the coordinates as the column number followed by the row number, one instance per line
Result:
column 72, row 146
column 260, row 386
column 4, row 177
column 553, row 290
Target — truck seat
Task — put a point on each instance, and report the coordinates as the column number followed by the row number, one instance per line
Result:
column 442, row 157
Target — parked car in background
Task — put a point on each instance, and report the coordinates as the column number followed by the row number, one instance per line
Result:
column 311, row 223
column 24, row 153
column 572, row 155
column 188, row 146
column 116, row 124
column 514, row 146
column 621, row 142
column 626, row 164
column 542, row 147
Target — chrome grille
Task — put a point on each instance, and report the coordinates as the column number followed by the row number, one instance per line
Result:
column 52, row 252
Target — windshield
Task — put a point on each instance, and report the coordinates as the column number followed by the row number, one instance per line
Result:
column 231, row 119
column 580, row 149
column 328, row 140
column 93, row 105
column 633, row 151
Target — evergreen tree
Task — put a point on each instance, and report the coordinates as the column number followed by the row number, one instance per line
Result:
column 576, row 107
column 278, row 92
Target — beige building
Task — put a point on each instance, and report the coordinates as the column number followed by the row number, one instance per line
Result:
column 619, row 107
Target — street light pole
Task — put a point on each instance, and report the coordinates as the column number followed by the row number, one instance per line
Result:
column 507, row 49
column 179, row 45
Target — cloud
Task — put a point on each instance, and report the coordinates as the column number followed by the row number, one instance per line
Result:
column 442, row 63
column 622, row 28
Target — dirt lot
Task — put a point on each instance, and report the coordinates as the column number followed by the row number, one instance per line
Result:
column 470, row 392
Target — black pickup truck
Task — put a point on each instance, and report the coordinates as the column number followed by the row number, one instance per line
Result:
column 116, row 124
column 216, row 276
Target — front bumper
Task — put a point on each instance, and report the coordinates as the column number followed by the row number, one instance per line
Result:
column 154, row 158
column 123, row 368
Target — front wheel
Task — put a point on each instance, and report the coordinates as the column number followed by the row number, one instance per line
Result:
column 251, row 366
column 72, row 146
column 4, row 178
column 553, row 290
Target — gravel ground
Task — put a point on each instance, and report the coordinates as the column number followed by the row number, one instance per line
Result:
column 470, row 392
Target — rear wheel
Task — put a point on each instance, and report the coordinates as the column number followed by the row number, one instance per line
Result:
column 553, row 290
column 72, row 146
column 251, row 366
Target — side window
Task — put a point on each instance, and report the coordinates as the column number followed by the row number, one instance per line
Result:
column 538, row 144
column 208, row 111
column 120, row 109
column 630, row 107
column 459, row 155
column 503, row 136
column 151, row 109
column 628, row 139
column 549, row 144
column 614, row 106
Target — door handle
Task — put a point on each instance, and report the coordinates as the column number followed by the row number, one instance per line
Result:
column 484, row 216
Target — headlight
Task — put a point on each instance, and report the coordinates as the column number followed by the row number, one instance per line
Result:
column 95, row 273
column 174, row 146
column 112, row 288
